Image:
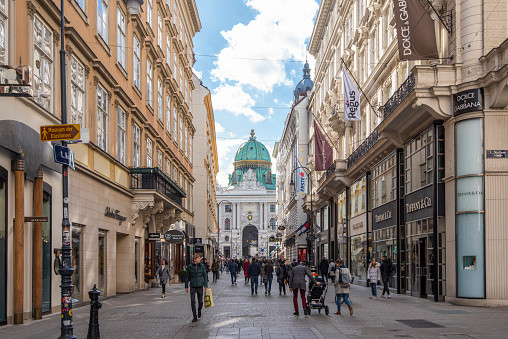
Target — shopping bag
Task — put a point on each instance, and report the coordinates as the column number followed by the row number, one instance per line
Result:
column 208, row 298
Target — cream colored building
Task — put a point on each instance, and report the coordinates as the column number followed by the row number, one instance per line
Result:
column 206, row 167
column 402, row 183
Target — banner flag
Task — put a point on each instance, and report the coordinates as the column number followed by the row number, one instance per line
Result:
column 351, row 97
column 416, row 34
column 301, row 181
column 302, row 229
column 323, row 151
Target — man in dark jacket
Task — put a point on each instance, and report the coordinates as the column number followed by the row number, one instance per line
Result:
column 198, row 279
column 323, row 267
column 386, row 269
column 253, row 271
column 233, row 269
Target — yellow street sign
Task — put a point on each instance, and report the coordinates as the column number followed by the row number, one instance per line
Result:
column 60, row 132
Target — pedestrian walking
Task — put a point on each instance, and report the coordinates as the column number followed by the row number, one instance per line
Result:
column 323, row 267
column 386, row 268
column 245, row 274
column 374, row 277
column 215, row 271
column 342, row 283
column 233, row 269
column 163, row 276
column 269, row 277
column 282, row 276
column 197, row 278
column 331, row 271
column 297, row 283
column 253, row 271
column 294, row 263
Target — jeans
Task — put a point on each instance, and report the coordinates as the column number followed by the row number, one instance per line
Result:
column 253, row 282
column 199, row 292
column 163, row 288
column 268, row 285
column 344, row 296
column 233, row 277
column 373, row 287
column 385, row 285
column 295, row 298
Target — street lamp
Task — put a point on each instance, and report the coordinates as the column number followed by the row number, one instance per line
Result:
column 310, row 236
column 133, row 6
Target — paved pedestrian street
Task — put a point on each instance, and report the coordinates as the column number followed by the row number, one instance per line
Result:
column 237, row 314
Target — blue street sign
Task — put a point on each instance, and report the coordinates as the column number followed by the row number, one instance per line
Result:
column 63, row 155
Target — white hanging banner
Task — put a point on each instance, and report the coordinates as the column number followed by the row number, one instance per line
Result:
column 351, row 97
column 301, row 181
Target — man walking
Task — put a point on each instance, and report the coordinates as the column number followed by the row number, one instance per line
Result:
column 215, row 271
column 387, row 269
column 253, row 271
column 297, row 282
column 233, row 269
column 198, row 279
column 323, row 267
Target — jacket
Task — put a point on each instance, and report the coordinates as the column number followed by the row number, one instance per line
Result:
column 215, row 267
column 323, row 266
column 197, row 277
column 253, row 270
column 245, row 267
column 297, row 277
column 233, row 267
column 374, row 274
column 164, row 275
column 338, row 288
column 386, row 268
column 331, row 269
column 281, row 274
column 269, row 270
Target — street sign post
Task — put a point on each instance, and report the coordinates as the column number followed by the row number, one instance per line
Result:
column 60, row 132
column 63, row 155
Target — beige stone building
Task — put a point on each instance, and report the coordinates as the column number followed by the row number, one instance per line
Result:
column 129, row 83
column 421, row 177
column 206, row 167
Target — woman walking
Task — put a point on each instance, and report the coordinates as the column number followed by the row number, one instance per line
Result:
column 245, row 268
column 342, row 283
column 374, row 276
column 164, row 276
column 282, row 276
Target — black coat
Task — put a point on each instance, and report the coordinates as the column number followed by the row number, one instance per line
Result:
column 323, row 266
column 269, row 270
column 386, row 268
column 253, row 270
column 282, row 274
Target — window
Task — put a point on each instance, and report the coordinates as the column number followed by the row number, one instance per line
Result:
column 272, row 208
column 136, row 61
column 120, row 37
column 81, row 4
column 102, row 261
column 149, row 83
column 419, row 157
column 175, row 124
column 149, row 152
column 227, row 208
column 136, row 151
column 43, row 63
column 120, row 150
column 160, row 103
column 77, row 92
column 181, row 133
column 149, row 10
column 160, row 156
column 168, row 113
column 159, row 30
column 77, row 255
column 3, row 32
column 168, row 51
column 186, row 140
column 272, row 224
column 227, row 224
column 102, row 19
column 174, row 64
column 168, row 167
column 102, row 118
column 361, row 11
column 358, row 195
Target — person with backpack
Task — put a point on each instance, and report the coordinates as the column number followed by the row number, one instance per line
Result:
column 374, row 277
column 342, row 284
column 331, row 271
column 387, row 268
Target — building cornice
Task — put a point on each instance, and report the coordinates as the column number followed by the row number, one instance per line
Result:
column 320, row 26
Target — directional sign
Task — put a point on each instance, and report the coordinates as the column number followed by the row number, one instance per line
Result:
column 63, row 155
column 36, row 219
column 60, row 132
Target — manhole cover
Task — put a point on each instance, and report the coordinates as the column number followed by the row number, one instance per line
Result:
column 420, row 323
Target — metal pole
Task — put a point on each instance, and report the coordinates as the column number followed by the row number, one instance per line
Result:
column 218, row 232
column 66, row 270
column 309, row 243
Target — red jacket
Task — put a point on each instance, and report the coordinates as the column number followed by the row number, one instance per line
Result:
column 245, row 267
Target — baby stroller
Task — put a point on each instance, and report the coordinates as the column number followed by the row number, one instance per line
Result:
column 316, row 296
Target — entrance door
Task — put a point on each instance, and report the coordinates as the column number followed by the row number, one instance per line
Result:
column 419, row 267
column 3, row 246
column 249, row 240
column 423, row 267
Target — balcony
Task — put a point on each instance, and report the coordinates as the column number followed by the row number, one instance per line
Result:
column 364, row 147
column 155, row 179
column 401, row 93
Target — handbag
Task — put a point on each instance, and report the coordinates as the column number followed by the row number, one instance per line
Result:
column 208, row 299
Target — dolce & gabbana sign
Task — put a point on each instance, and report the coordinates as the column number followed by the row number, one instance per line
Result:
column 468, row 101
column 419, row 204
column 384, row 215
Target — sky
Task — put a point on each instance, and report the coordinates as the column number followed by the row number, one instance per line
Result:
column 250, row 55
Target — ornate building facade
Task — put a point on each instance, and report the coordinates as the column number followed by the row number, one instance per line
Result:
column 247, row 207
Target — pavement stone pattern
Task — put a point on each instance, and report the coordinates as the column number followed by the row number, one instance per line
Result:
column 237, row 314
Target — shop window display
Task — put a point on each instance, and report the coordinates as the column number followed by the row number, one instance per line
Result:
column 359, row 256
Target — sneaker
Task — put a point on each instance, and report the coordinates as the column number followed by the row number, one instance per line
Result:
column 389, row 297
column 382, row 296
column 375, row 298
column 338, row 312
column 251, row 293
column 371, row 297
column 194, row 319
column 296, row 313
column 269, row 293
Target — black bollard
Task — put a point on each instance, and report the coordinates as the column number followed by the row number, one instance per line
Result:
column 93, row 324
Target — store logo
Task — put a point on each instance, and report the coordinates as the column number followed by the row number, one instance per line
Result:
column 468, row 101
column 383, row 217
column 114, row 214
column 419, row 205
column 358, row 225
column 471, row 193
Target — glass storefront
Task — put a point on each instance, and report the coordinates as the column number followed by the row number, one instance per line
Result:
column 46, row 253
column 102, row 263
column 341, row 227
column 77, row 248
column 358, row 237
column 359, row 256
column 3, row 246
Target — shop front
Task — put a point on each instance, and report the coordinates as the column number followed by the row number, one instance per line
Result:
column 424, row 215
column 358, row 231
column 342, row 251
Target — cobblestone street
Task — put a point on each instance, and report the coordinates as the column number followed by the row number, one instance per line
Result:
column 238, row 314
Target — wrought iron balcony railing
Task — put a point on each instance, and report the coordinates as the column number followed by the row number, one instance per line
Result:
column 155, row 179
column 330, row 171
column 364, row 147
column 401, row 93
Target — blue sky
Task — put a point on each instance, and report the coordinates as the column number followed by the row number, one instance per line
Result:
column 250, row 55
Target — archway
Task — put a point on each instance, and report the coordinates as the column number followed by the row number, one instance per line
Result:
column 249, row 240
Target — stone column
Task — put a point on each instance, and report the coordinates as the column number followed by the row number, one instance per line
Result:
column 19, row 237
column 37, row 248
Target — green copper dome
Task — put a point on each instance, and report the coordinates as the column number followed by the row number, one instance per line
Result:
column 252, row 150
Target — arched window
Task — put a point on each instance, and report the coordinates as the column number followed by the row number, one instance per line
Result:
column 227, row 224
column 272, row 223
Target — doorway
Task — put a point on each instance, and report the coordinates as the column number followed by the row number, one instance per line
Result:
column 249, row 241
column 419, row 267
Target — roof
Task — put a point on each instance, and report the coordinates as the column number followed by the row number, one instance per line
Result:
column 252, row 150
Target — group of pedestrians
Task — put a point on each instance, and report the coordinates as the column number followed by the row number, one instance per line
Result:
column 378, row 272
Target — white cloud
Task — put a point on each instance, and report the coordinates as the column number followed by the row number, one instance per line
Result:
column 219, row 128
column 252, row 56
column 198, row 73
column 234, row 99
column 226, row 151
column 270, row 111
